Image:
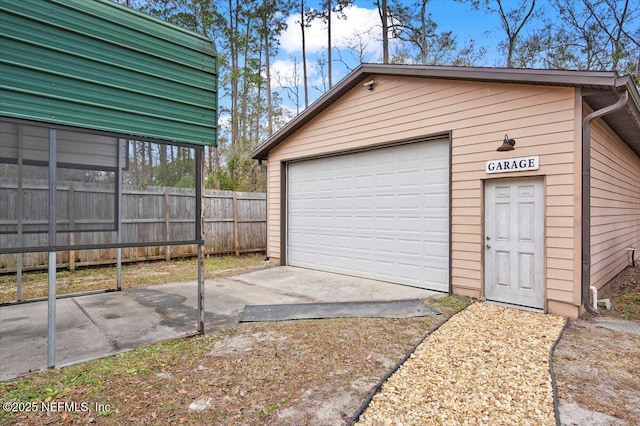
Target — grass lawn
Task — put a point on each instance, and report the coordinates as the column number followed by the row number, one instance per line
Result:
column 134, row 275
column 313, row 372
column 290, row 372
column 597, row 368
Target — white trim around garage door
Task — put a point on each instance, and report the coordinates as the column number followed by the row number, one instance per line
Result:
column 383, row 214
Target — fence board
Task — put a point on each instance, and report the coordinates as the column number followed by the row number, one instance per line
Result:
column 148, row 214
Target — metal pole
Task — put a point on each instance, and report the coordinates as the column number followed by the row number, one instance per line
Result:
column 71, row 208
column 119, row 216
column 51, row 324
column 20, row 215
column 119, row 269
column 167, row 224
column 199, row 237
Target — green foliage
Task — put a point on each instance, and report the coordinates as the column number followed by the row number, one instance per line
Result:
column 271, row 409
column 239, row 172
column 21, row 390
column 268, row 411
column 219, row 179
column 451, row 301
column 566, row 34
column 625, row 297
column 186, row 181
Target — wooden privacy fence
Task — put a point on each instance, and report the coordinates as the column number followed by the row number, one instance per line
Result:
column 234, row 222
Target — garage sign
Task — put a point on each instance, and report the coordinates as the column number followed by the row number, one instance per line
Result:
column 513, row 165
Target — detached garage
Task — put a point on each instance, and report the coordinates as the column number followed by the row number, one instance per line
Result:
column 464, row 180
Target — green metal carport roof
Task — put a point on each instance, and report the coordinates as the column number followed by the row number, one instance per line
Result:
column 98, row 65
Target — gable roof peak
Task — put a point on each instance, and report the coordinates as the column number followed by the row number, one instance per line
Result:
column 607, row 82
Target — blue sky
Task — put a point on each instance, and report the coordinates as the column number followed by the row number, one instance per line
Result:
column 362, row 27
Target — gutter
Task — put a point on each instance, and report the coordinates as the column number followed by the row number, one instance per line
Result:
column 586, row 196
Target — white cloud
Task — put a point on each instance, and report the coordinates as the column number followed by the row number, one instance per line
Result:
column 354, row 39
column 284, row 72
column 224, row 121
column 288, row 72
column 359, row 23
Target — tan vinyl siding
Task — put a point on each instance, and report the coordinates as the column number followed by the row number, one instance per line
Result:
column 615, row 204
column 477, row 115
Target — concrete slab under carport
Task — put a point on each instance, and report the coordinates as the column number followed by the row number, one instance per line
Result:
column 98, row 325
column 330, row 287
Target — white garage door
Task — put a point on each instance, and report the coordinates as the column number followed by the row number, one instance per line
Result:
column 381, row 214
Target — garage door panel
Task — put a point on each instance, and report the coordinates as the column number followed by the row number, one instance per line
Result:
column 436, row 202
column 411, row 224
column 386, row 224
column 407, row 271
column 363, row 245
column 408, row 178
column 434, row 276
column 385, row 180
column 438, row 246
column 321, row 240
column 343, row 262
column 322, row 221
column 364, row 183
column 409, row 248
column 342, row 241
column 432, row 221
column 411, row 202
column 361, row 202
column 364, row 223
column 385, row 202
column 381, row 214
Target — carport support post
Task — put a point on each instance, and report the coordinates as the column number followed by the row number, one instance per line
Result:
column 119, row 217
column 51, row 305
column 199, row 237
column 20, row 215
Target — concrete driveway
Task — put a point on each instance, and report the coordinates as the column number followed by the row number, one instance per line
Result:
column 99, row 325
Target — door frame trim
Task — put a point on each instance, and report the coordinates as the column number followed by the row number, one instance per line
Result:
column 284, row 186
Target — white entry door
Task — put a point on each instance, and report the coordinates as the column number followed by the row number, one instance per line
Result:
column 514, row 242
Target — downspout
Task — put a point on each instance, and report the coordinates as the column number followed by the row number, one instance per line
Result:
column 586, row 196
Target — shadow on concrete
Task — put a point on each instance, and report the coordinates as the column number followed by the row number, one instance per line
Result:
column 98, row 325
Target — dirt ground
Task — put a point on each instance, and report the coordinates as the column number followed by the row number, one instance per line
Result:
column 312, row 372
column 134, row 275
column 597, row 369
column 304, row 372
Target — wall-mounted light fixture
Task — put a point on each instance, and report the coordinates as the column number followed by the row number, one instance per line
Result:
column 369, row 84
column 507, row 144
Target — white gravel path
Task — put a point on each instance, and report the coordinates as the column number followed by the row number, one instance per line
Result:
column 487, row 365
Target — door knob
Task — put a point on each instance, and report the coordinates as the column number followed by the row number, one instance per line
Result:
column 488, row 245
